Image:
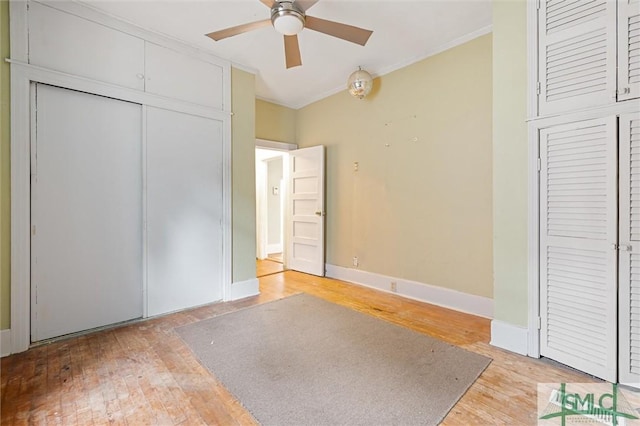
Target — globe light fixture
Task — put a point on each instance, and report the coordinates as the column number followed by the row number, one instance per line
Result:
column 360, row 83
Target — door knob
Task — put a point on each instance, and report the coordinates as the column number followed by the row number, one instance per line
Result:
column 319, row 214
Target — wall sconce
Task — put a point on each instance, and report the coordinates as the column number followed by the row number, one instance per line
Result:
column 360, row 83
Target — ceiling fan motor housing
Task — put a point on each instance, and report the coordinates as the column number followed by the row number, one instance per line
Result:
column 286, row 18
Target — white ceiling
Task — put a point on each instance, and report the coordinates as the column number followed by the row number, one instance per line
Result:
column 404, row 31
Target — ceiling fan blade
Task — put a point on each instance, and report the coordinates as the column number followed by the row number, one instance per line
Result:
column 346, row 32
column 292, row 51
column 305, row 5
column 268, row 3
column 228, row 32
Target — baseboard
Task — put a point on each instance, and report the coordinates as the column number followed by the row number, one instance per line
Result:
column 274, row 248
column 242, row 289
column 452, row 299
column 5, row 342
column 510, row 337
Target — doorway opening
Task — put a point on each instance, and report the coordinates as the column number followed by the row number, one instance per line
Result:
column 271, row 170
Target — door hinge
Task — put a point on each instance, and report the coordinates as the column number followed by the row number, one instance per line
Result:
column 33, row 230
column 539, row 164
column 538, row 88
column 539, row 323
column 538, row 4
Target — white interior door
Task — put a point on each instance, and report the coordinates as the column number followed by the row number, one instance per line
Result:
column 305, row 243
column 629, row 257
column 184, row 211
column 86, row 212
column 578, row 236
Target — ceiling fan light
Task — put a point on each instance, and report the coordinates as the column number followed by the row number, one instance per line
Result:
column 288, row 24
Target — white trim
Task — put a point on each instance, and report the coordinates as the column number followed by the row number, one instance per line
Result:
column 242, row 289
column 5, row 342
column 274, row 248
column 510, row 337
column 398, row 65
column 533, row 276
column 275, row 145
column 20, row 210
column 227, row 188
column 533, row 213
column 145, row 247
column 452, row 299
column 532, row 59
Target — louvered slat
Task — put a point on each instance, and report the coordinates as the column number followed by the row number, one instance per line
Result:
column 572, row 162
column 629, row 50
column 572, row 13
column 578, row 224
column 577, row 62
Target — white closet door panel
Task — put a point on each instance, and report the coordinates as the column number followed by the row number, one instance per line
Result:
column 179, row 76
column 578, row 226
column 70, row 44
column 629, row 286
column 86, row 268
column 577, row 48
column 628, row 49
column 184, row 211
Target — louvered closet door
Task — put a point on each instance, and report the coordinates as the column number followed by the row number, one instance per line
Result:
column 628, row 49
column 578, row 226
column 577, row 54
column 629, row 282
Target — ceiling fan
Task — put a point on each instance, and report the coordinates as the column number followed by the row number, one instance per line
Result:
column 289, row 17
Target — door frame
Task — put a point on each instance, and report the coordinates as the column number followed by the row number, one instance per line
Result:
column 22, row 76
column 261, row 192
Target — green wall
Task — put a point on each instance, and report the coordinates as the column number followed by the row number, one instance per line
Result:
column 5, row 173
column 275, row 122
column 243, row 171
column 420, row 205
column 510, row 161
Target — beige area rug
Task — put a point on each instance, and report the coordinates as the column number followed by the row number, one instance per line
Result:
column 304, row 361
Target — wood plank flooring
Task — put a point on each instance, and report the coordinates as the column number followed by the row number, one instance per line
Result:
column 143, row 373
column 267, row 267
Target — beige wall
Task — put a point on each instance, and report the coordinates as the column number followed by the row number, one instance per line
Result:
column 5, row 173
column 420, row 206
column 243, row 174
column 510, row 161
column 275, row 122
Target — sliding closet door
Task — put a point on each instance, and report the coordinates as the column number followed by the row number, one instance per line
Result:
column 578, row 235
column 86, row 212
column 184, row 210
column 629, row 287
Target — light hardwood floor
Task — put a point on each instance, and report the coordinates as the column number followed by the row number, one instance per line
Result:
column 143, row 373
column 267, row 267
